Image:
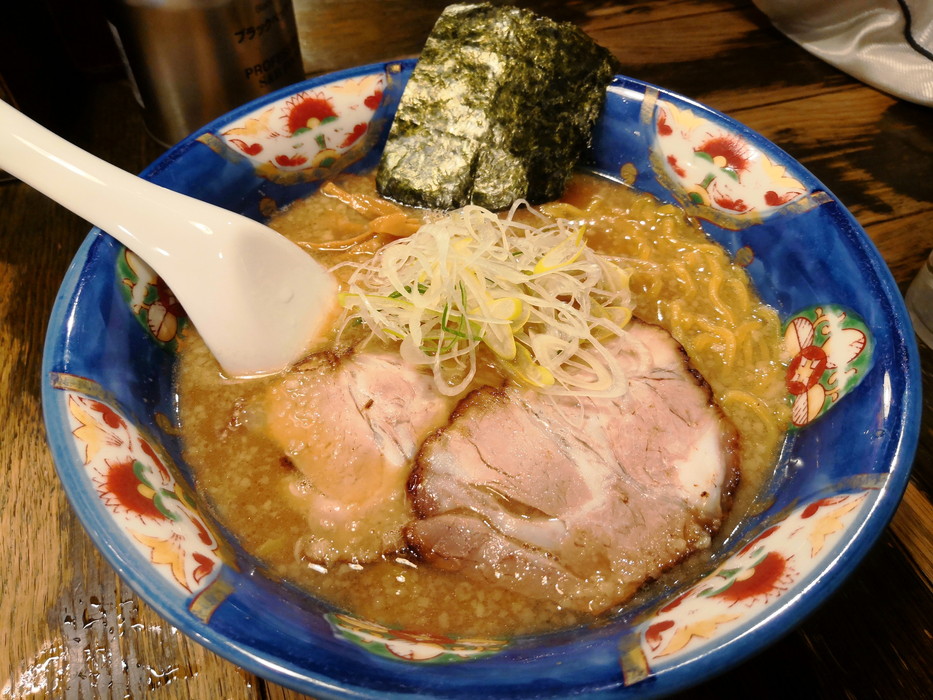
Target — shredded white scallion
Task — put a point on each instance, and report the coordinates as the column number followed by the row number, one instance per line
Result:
column 538, row 297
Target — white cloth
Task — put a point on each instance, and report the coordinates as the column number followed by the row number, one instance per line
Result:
column 887, row 44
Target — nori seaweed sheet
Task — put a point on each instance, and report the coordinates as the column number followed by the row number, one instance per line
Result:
column 500, row 106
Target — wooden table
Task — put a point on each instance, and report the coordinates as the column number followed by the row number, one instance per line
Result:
column 70, row 628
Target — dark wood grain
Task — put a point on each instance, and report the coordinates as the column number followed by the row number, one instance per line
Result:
column 70, row 628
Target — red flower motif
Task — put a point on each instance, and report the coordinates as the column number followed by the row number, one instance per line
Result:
column 306, row 108
column 147, row 448
column 811, row 509
column 203, row 534
column 354, row 136
column 373, row 100
column 672, row 161
column 773, row 199
column 763, row 579
column 204, row 568
column 814, row 371
column 730, row 148
column 731, row 204
column 806, row 369
column 108, row 414
column 121, row 487
column 653, row 633
column 250, row 149
column 664, row 129
column 290, row 161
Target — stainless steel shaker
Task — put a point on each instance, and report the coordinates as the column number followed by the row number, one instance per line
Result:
column 192, row 60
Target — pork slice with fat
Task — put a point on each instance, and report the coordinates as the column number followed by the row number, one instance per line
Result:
column 578, row 501
column 351, row 425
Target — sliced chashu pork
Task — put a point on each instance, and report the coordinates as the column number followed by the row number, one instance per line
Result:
column 351, row 425
column 578, row 502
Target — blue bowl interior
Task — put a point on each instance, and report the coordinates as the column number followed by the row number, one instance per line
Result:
column 864, row 446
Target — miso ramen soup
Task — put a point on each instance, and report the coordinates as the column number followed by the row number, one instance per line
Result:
column 245, row 463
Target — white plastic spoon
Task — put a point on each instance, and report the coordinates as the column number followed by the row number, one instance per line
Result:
column 256, row 298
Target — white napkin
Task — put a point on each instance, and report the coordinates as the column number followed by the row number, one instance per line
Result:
column 885, row 43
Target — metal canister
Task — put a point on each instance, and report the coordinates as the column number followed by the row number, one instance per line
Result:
column 192, row 60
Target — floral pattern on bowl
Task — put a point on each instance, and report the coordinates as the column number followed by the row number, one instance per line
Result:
column 717, row 172
column 306, row 135
column 412, row 646
column 831, row 351
column 150, row 299
column 108, row 392
column 779, row 561
column 135, row 483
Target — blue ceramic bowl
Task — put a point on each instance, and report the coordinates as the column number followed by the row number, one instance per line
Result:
column 108, row 401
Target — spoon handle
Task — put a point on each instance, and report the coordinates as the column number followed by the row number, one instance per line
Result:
column 125, row 206
column 256, row 298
